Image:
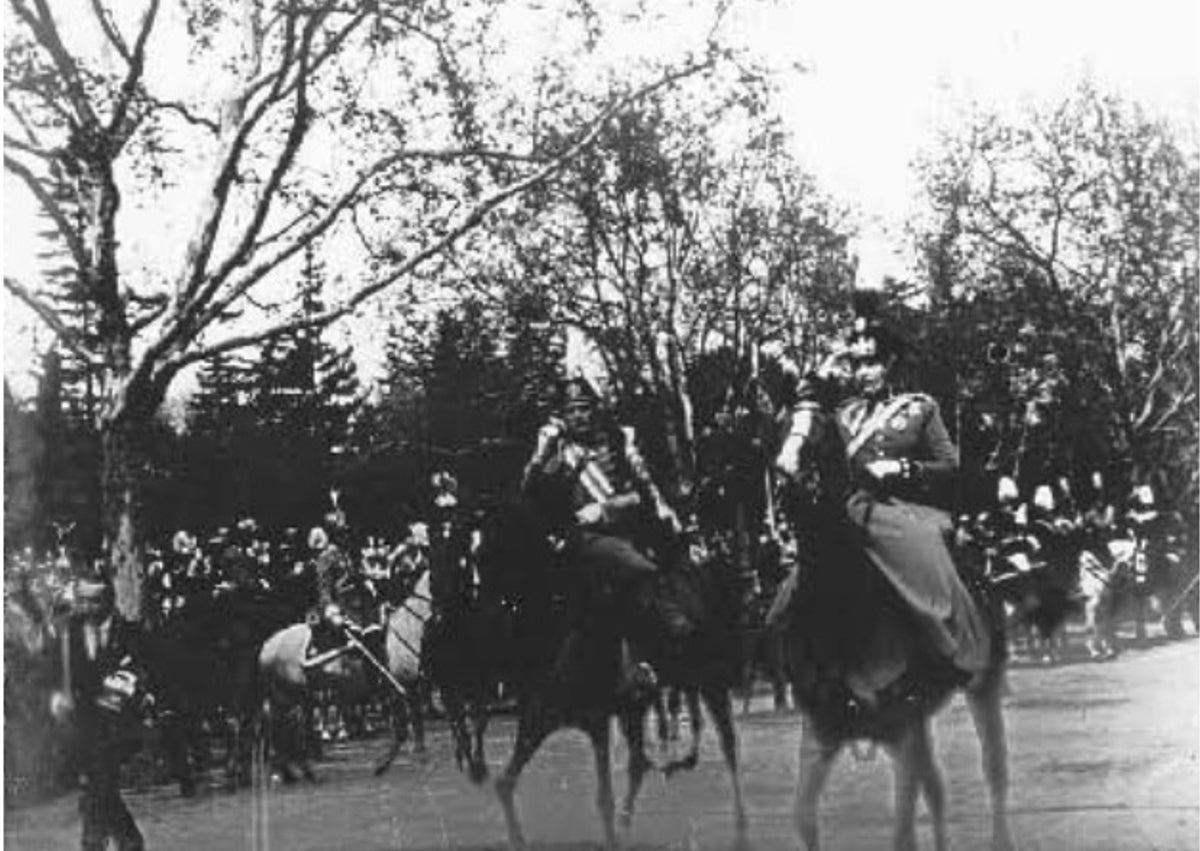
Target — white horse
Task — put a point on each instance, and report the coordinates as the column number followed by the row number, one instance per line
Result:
column 290, row 678
column 403, row 642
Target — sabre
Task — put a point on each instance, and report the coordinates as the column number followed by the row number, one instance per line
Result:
column 1179, row 597
column 379, row 666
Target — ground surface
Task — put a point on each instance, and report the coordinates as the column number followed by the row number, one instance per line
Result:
column 1104, row 758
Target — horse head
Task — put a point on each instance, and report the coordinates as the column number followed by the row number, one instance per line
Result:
column 516, row 558
column 812, row 460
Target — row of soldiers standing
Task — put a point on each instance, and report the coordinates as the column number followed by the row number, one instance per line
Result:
column 1052, row 527
column 302, row 574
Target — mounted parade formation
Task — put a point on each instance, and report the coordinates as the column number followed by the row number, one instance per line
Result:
column 644, row 419
column 587, row 596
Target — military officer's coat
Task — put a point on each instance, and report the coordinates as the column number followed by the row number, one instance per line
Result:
column 906, row 533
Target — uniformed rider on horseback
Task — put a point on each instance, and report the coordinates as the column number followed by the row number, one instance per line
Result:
column 902, row 464
column 590, row 482
column 335, row 619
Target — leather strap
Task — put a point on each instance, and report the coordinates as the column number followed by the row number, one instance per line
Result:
column 875, row 422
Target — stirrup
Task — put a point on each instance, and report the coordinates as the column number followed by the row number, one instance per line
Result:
column 638, row 681
column 644, row 676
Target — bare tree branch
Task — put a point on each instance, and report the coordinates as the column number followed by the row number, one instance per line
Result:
column 23, row 147
column 137, row 66
column 51, row 317
column 187, row 114
column 52, row 209
column 472, row 219
column 46, row 32
column 110, row 30
column 200, row 249
column 301, row 121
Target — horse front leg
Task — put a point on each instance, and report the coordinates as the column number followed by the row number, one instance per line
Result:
column 749, row 648
column 533, row 725
column 633, row 720
column 933, row 786
column 597, row 731
column 907, row 785
column 816, row 761
column 696, row 723
column 1091, row 627
column 479, row 722
column 456, row 718
column 720, row 707
column 987, row 712
column 416, row 708
column 396, row 712
column 1106, row 623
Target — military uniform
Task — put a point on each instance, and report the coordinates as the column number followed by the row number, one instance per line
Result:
column 102, row 734
column 906, row 532
column 606, row 475
column 596, row 494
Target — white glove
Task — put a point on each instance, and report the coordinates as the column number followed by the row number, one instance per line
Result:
column 548, row 435
column 590, row 514
column 835, row 365
column 883, row 468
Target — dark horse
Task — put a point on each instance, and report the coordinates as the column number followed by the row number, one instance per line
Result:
column 844, row 615
column 578, row 688
column 203, row 663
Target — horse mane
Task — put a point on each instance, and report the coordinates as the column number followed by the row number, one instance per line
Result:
column 516, row 559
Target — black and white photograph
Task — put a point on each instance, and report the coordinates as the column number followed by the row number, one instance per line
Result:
column 546, row 425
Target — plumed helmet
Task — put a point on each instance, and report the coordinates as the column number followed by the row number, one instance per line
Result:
column 869, row 337
column 247, row 527
column 318, row 538
column 1043, row 498
column 445, row 489
column 183, row 542
column 1006, row 490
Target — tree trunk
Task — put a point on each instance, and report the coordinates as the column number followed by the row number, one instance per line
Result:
column 121, row 513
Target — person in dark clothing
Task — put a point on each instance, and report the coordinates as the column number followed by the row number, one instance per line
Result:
column 102, row 688
column 612, row 513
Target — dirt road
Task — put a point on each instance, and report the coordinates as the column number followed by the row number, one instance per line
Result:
column 1104, row 758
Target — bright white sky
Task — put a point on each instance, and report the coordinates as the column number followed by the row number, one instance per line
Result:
column 883, row 74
